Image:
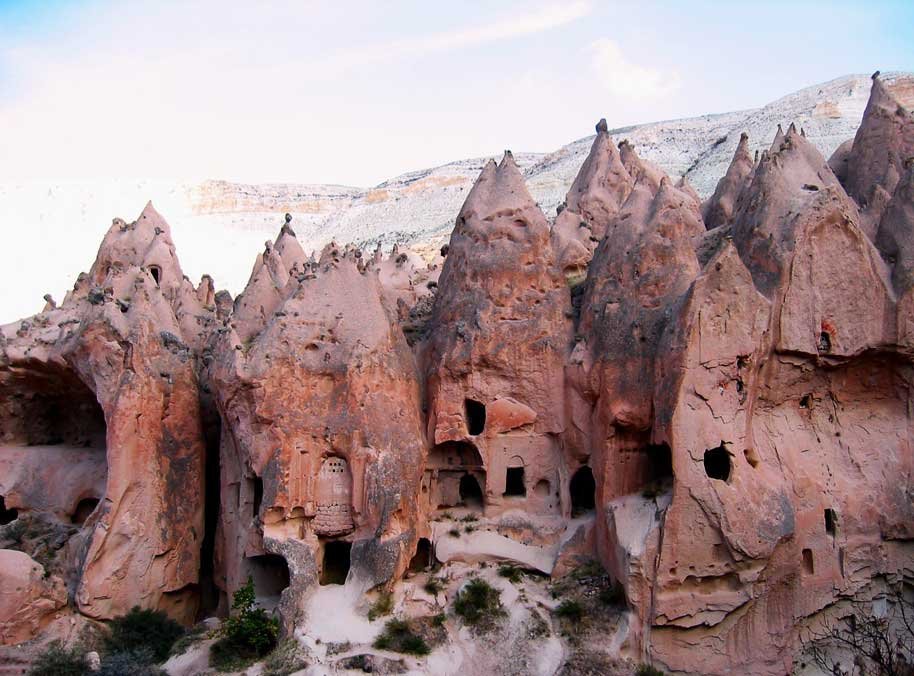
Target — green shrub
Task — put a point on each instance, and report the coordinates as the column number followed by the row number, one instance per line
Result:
column 383, row 605
column 648, row 670
column 470, row 518
column 570, row 610
column 454, row 532
column 433, row 585
column 477, row 602
column 512, row 573
column 58, row 660
column 249, row 634
column 438, row 620
column 469, row 529
column 143, row 632
column 400, row 637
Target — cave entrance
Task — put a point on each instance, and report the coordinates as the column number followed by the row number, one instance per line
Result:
column 156, row 273
column 336, row 561
column 50, row 407
column 423, row 558
column 270, row 573
column 7, row 515
column 210, row 594
column 515, row 486
column 470, row 491
column 449, row 464
column 583, row 490
column 476, row 416
column 84, row 510
column 717, row 462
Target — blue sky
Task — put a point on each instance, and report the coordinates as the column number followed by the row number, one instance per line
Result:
column 356, row 92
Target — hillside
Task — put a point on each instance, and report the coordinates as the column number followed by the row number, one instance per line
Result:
column 217, row 224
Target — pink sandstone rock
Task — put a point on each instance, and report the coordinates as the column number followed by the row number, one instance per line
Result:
column 719, row 208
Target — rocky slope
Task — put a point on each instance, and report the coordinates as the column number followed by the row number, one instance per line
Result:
column 216, row 223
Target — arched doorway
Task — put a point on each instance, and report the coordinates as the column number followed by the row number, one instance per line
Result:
column 583, row 491
column 470, row 491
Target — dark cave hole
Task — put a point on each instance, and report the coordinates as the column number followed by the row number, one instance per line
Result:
column 660, row 462
column 423, row 558
column 210, row 594
column 824, row 342
column 7, row 515
column 84, row 510
column 258, row 495
column 583, row 491
column 805, row 401
column 717, row 463
column 831, row 522
column 156, row 273
column 335, row 566
column 454, row 454
column 476, row 416
column 808, row 565
column 271, row 575
column 470, row 491
column 514, row 482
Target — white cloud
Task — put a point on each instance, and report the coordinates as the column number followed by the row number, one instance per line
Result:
column 507, row 27
column 627, row 80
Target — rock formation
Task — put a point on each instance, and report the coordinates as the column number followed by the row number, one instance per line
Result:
column 714, row 401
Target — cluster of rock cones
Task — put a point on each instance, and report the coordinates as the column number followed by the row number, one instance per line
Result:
column 715, row 400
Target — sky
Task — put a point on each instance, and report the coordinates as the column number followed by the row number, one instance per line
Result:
column 356, row 92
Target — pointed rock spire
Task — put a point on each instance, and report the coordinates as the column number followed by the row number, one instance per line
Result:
column 720, row 207
column 778, row 140
column 884, row 140
column 601, row 186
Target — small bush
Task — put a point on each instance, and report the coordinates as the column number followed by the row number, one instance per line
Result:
column 433, row 586
column 438, row 620
column 511, row 573
column 58, row 660
column 570, row 610
column 248, row 635
column 383, row 605
column 477, row 602
column 469, row 529
column 454, row 532
column 399, row 637
column 143, row 632
column 648, row 670
column 470, row 518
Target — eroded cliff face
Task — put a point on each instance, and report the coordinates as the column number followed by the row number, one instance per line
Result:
column 102, row 443
column 712, row 399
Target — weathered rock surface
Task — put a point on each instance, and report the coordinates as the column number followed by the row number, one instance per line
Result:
column 712, row 400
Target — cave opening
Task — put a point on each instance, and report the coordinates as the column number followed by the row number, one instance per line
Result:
column 808, row 565
column 514, row 482
column 210, row 594
column 51, row 406
column 423, row 558
column 583, row 490
column 156, row 273
column 336, row 561
column 470, row 491
column 476, row 416
column 831, row 521
column 270, row 573
column 84, row 510
column 717, row 462
column 660, row 462
column 7, row 515
column 257, row 495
